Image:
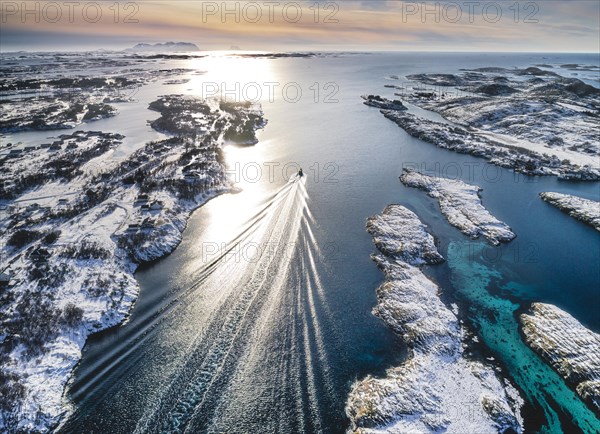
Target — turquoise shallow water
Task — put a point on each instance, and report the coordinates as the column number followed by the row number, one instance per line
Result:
column 494, row 316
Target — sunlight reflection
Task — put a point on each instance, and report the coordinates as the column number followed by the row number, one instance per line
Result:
column 233, row 213
column 233, row 77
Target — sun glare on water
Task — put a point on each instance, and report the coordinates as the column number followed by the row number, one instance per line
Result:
column 233, row 77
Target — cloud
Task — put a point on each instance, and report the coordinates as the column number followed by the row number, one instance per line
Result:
column 365, row 25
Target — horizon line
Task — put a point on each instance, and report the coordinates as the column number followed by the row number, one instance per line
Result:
column 303, row 51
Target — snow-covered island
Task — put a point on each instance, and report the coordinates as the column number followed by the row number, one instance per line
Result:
column 437, row 389
column 383, row 103
column 76, row 224
column 585, row 210
column 569, row 347
column 531, row 120
column 51, row 103
column 461, row 204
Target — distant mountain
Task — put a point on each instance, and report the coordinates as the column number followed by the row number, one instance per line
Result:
column 165, row 47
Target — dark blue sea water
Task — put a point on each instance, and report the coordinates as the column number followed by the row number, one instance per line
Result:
column 273, row 343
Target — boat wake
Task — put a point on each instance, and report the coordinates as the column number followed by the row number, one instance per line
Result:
column 239, row 349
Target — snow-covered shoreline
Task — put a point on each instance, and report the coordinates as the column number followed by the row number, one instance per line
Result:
column 437, row 388
column 74, row 244
column 585, row 210
column 569, row 347
column 461, row 204
column 503, row 154
column 530, row 120
column 46, row 376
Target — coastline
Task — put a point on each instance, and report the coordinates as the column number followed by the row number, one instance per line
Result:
column 367, row 196
column 437, row 387
column 513, row 136
column 584, row 210
column 136, row 213
column 531, row 120
column 567, row 346
column 461, row 204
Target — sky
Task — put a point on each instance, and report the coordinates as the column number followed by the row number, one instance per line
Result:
column 373, row 25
